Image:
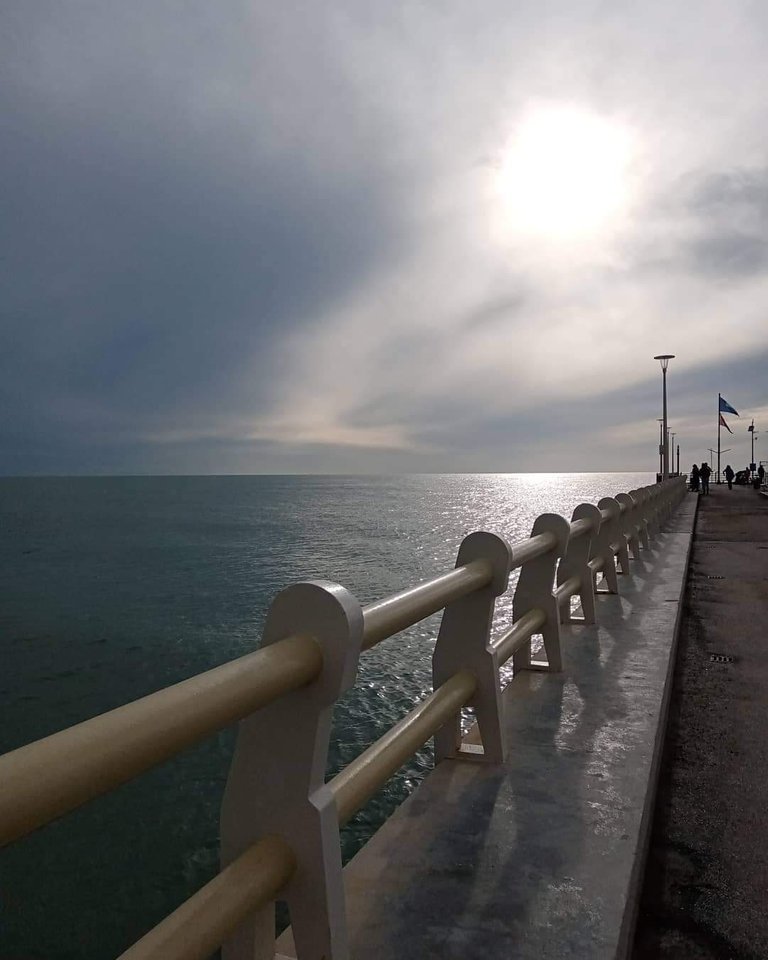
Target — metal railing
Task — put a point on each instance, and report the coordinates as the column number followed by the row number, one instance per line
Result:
column 280, row 820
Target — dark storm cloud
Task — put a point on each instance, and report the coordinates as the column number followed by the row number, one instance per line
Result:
column 152, row 251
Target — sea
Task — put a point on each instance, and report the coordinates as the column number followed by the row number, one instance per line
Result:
column 114, row 587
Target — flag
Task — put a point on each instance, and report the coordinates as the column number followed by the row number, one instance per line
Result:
column 724, row 424
column 725, row 407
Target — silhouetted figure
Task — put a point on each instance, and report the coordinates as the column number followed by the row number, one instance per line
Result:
column 761, row 474
column 729, row 475
column 695, row 478
column 704, row 471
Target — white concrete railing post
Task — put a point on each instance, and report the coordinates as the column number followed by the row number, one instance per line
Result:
column 661, row 513
column 661, row 507
column 464, row 643
column 652, row 511
column 535, row 591
column 642, row 498
column 671, row 497
column 602, row 547
column 622, row 543
column 575, row 564
column 276, row 783
column 629, row 523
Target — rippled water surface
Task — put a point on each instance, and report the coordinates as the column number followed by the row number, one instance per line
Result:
column 115, row 587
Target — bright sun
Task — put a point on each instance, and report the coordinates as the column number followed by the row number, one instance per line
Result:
column 564, row 173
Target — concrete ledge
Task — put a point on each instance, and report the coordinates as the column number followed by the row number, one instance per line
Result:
column 542, row 856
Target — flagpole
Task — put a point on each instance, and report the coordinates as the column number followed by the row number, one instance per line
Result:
column 717, row 480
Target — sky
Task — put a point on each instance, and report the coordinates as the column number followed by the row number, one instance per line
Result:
column 355, row 237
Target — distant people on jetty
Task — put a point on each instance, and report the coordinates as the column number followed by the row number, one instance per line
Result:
column 729, row 475
column 761, row 474
column 695, row 478
column 704, row 471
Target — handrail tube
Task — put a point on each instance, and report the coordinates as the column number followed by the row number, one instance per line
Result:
column 580, row 527
column 201, row 924
column 386, row 617
column 93, row 757
column 531, row 548
column 361, row 778
column 567, row 589
column 519, row 634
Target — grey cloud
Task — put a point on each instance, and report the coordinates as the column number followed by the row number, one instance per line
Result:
column 726, row 234
column 152, row 251
column 186, row 188
column 498, row 311
column 744, row 190
column 729, row 257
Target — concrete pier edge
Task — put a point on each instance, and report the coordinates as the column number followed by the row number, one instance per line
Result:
column 638, row 872
column 541, row 856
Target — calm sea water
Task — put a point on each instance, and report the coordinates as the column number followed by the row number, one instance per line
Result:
column 115, row 587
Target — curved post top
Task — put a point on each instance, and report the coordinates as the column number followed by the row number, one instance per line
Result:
column 494, row 550
column 329, row 614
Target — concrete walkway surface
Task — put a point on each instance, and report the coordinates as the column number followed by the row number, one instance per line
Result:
column 542, row 856
column 706, row 889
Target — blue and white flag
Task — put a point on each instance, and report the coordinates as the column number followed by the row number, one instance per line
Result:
column 725, row 407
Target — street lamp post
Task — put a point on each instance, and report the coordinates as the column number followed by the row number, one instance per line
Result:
column 661, row 449
column 664, row 359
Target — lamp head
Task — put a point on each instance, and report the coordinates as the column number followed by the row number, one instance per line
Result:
column 664, row 359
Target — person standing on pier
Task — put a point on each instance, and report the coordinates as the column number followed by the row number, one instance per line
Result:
column 695, row 478
column 728, row 472
column 704, row 472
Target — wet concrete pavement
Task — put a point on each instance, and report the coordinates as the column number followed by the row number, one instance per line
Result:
column 705, row 894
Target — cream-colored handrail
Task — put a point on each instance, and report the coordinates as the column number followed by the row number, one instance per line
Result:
column 567, row 589
column 361, row 778
column 519, row 633
column 200, row 925
column 580, row 527
column 533, row 547
column 387, row 617
column 50, row 777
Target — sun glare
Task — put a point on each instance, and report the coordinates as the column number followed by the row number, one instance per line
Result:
column 564, row 173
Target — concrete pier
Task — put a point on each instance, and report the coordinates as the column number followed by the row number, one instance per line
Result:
column 541, row 856
column 706, row 890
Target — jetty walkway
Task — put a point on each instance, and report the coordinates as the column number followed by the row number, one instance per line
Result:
column 706, row 889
